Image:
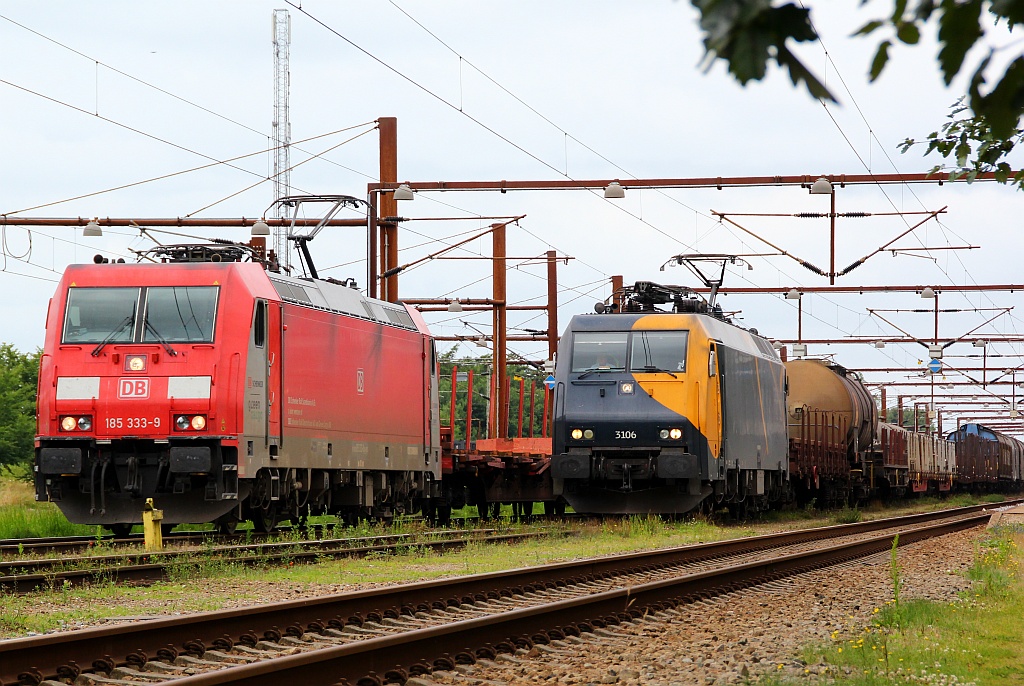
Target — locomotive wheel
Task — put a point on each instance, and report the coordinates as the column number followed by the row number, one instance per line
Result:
column 120, row 530
column 443, row 515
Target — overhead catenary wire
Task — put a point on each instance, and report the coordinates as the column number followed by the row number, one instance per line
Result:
column 214, row 163
column 477, row 121
column 99, row 63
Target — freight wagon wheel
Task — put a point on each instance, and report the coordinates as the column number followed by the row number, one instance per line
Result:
column 554, row 507
column 523, row 511
column 488, row 510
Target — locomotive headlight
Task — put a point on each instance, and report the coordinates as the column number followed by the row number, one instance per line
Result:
column 626, row 388
column 135, row 363
column 182, row 422
column 199, row 422
column 68, row 423
column 663, row 434
column 675, row 434
column 577, row 434
column 588, row 434
column 84, row 423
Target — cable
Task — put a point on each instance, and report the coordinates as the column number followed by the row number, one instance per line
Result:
column 264, row 180
column 177, row 173
column 143, row 82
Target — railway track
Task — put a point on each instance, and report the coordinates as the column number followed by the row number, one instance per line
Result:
column 27, row 575
column 64, row 545
column 387, row 635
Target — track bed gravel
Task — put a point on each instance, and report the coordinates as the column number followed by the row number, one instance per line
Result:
column 732, row 639
column 739, row 638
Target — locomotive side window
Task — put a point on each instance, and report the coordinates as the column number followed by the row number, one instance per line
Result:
column 259, row 326
column 712, row 361
column 180, row 314
column 599, row 351
column 658, row 351
column 95, row 315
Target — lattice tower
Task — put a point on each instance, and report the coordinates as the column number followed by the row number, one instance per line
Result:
column 282, row 128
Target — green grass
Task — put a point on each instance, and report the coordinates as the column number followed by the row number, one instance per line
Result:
column 226, row 582
column 976, row 639
column 22, row 517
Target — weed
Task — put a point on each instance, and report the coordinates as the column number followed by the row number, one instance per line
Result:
column 847, row 515
column 642, row 526
column 971, row 640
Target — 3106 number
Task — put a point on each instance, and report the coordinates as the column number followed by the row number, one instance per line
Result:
column 625, row 435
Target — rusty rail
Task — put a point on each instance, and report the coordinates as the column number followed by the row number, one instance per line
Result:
column 30, row 660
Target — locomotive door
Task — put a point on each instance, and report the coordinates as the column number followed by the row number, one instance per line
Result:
column 255, row 426
column 715, row 407
column 432, row 409
column 275, row 375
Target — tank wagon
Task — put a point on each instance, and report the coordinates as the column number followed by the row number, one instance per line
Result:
column 832, row 423
column 660, row 410
column 227, row 392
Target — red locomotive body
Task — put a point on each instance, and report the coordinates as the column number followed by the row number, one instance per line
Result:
column 225, row 392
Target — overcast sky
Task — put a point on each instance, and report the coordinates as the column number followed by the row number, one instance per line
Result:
column 102, row 95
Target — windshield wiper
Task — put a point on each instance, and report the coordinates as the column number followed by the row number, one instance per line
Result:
column 600, row 369
column 163, row 341
column 652, row 368
column 128, row 322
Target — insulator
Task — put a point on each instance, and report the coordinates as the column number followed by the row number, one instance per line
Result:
column 851, row 267
column 811, row 215
column 814, row 269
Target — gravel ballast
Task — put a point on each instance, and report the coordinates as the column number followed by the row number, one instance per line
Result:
column 740, row 637
column 737, row 638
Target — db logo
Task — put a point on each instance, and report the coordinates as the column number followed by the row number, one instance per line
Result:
column 133, row 388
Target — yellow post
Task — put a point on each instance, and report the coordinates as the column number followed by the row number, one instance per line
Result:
column 151, row 519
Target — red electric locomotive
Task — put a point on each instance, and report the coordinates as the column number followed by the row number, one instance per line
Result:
column 226, row 392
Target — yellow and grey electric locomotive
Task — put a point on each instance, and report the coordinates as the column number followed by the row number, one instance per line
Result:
column 663, row 411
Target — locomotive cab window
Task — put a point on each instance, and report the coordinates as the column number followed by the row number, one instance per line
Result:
column 95, row 315
column 654, row 351
column 599, row 351
column 180, row 314
column 259, row 324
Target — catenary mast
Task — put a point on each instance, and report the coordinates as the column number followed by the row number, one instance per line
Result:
column 282, row 129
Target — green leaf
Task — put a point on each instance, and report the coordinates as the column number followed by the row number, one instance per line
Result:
column 870, row 27
column 924, row 10
column 798, row 72
column 1003, row 106
column 1011, row 10
column 881, row 57
column 959, row 29
column 745, row 33
column 908, row 33
column 18, row 376
column 898, row 9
